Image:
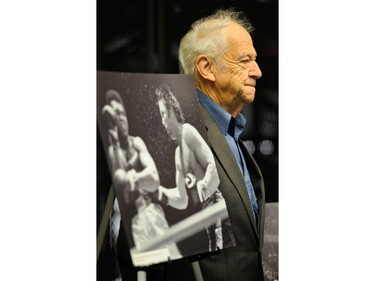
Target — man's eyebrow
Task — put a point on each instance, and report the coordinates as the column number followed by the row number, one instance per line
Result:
column 248, row 55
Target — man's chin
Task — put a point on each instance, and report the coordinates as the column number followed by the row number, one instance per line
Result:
column 248, row 96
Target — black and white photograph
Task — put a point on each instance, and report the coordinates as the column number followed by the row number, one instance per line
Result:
column 164, row 176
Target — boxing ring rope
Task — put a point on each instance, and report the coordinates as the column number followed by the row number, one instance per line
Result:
column 188, row 226
column 175, row 233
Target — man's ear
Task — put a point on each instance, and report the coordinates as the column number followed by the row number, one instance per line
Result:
column 205, row 68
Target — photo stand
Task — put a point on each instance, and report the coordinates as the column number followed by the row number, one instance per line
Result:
column 141, row 274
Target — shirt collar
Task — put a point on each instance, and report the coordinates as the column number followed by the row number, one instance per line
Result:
column 221, row 116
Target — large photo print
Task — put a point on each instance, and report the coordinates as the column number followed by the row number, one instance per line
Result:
column 167, row 199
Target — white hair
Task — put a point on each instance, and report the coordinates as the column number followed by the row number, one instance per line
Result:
column 207, row 36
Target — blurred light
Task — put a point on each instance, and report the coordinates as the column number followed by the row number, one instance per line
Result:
column 116, row 44
column 266, row 147
column 250, row 146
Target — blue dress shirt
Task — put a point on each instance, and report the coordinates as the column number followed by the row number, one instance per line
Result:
column 223, row 118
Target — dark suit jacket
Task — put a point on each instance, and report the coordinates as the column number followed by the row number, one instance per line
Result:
column 242, row 262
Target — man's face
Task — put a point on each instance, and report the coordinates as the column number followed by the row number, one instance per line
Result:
column 121, row 119
column 167, row 119
column 237, row 71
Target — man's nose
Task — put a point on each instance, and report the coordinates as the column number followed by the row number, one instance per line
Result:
column 255, row 71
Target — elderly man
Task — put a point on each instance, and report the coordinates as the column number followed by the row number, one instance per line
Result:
column 218, row 51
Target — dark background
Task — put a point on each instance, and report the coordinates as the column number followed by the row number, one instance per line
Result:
column 143, row 36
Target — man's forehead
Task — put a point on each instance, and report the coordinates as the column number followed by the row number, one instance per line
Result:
column 241, row 44
column 235, row 31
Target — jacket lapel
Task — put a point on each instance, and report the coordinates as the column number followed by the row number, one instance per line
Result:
column 258, row 184
column 227, row 161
